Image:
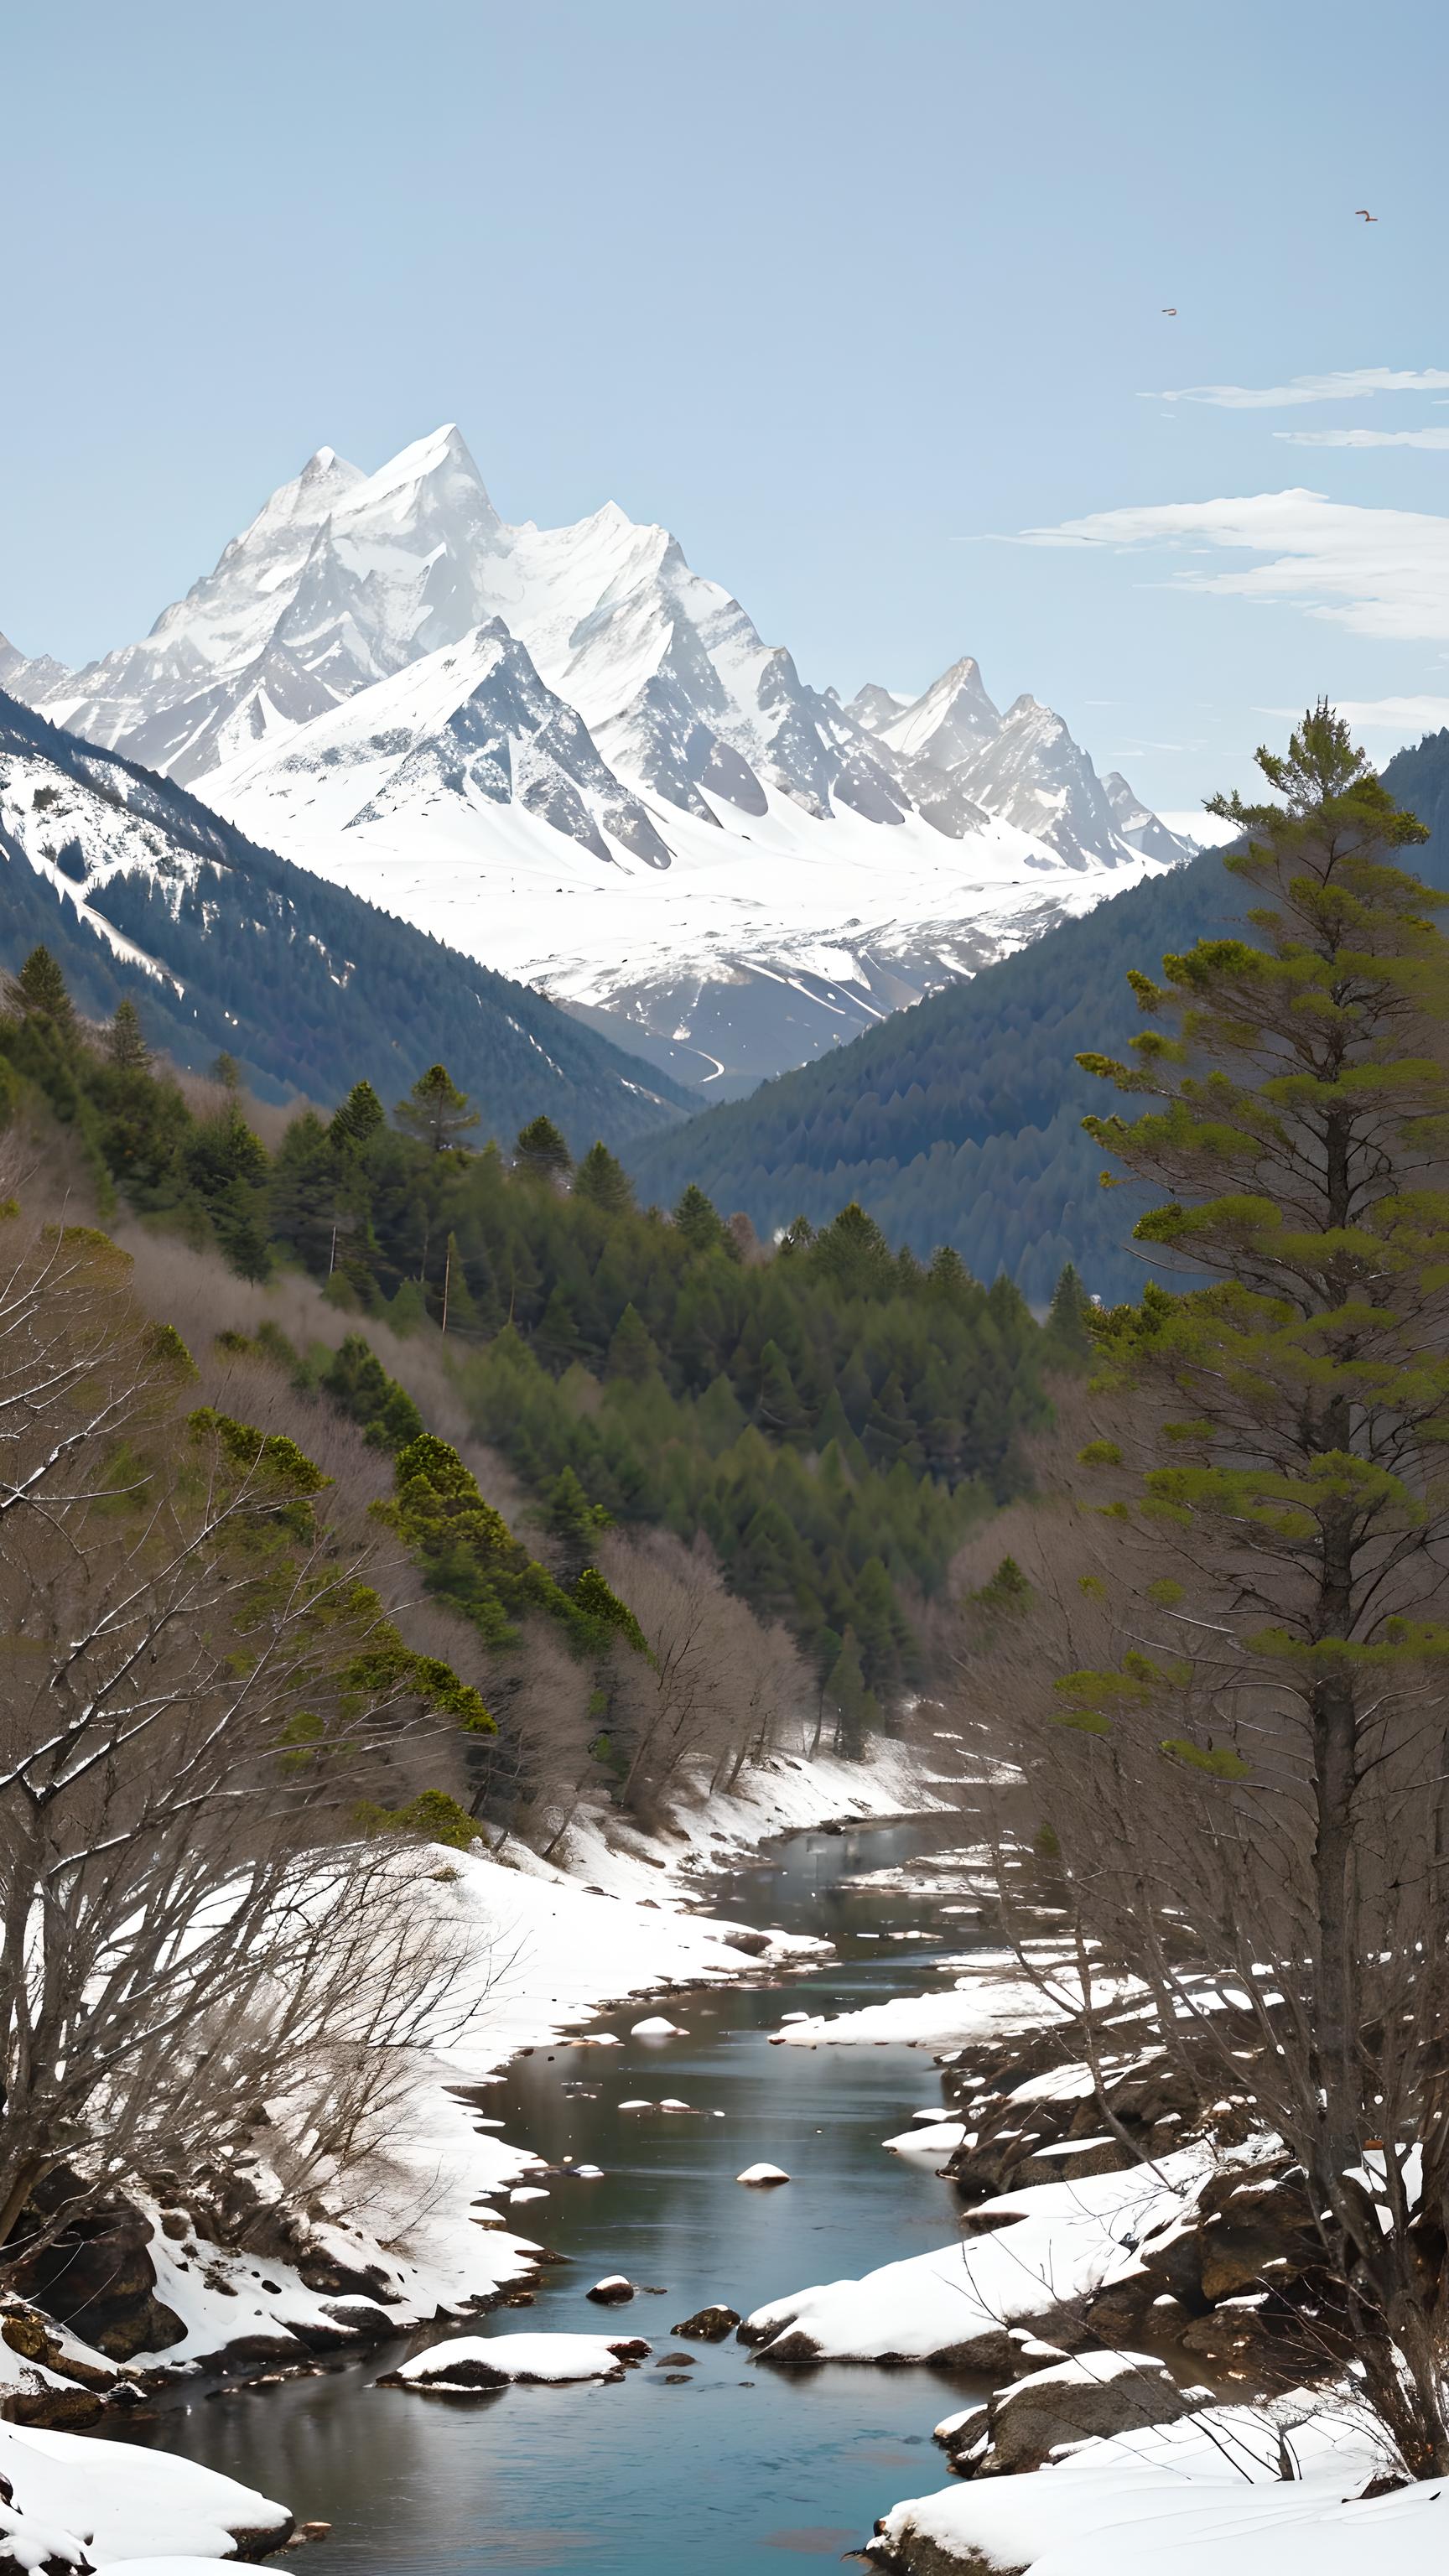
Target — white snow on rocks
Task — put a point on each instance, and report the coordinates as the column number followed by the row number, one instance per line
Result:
column 956, row 2303
column 484, row 2362
column 930, row 2138
column 656, row 2027
column 761, row 2175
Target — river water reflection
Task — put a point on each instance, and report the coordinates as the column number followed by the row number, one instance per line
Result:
column 739, row 2468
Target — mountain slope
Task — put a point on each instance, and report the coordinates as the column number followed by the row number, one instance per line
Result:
column 137, row 888
column 826, row 861
column 960, row 1121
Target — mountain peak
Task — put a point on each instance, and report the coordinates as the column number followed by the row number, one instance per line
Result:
column 443, row 453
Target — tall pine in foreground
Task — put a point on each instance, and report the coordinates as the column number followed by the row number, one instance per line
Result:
column 1249, row 1779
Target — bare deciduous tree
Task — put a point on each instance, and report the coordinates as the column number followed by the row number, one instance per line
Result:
column 198, row 1687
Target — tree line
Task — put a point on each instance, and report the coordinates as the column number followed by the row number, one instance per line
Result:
column 828, row 1416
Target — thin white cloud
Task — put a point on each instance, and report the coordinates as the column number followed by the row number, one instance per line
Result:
column 1346, row 385
column 1364, row 437
column 1398, row 716
column 1378, row 572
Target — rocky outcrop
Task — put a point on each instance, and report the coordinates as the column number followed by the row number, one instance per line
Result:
column 96, row 2277
column 1093, row 2394
column 1020, row 2131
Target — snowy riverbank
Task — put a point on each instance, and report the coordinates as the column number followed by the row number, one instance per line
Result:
column 427, row 2231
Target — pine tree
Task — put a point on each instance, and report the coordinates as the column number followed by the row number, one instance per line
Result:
column 632, row 1353
column 845, row 1693
column 603, row 1180
column 226, row 1071
column 359, row 1116
column 39, row 992
column 1067, row 1318
column 782, row 1414
column 698, row 1221
column 539, row 1148
column 574, row 1524
column 557, row 1335
column 1269, row 1713
column 436, row 1112
column 125, row 1041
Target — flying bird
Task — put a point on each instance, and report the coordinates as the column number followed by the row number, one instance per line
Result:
column 1171, row 311
column 1368, row 218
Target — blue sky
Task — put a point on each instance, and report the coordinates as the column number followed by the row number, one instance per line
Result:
column 848, row 296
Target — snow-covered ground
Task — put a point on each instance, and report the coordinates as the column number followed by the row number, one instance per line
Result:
column 1198, row 2497
column 85, row 2503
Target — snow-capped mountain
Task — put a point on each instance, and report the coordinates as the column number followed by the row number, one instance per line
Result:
column 138, row 889
column 567, row 752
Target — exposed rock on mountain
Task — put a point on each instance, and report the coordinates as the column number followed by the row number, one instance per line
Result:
column 578, row 759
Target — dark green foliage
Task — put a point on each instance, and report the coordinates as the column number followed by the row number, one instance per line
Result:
column 38, row 992
column 698, row 1222
column 359, row 1117
column 541, row 1149
column 602, row 1179
column 573, row 1523
column 832, row 1421
column 436, row 1112
column 125, row 1041
column 357, row 1381
column 467, row 1551
column 433, row 1813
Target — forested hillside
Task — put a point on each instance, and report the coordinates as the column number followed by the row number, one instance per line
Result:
column 832, row 1418
column 305, row 984
column 960, row 1121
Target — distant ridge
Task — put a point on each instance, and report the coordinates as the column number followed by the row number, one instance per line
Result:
column 137, row 888
column 960, row 1121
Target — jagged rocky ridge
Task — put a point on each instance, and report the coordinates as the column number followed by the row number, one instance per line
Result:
column 580, row 759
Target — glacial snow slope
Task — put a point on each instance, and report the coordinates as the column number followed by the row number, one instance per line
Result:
column 582, row 758
column 138, row 889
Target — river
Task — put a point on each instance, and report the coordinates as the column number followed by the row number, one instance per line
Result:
column 731, row 2467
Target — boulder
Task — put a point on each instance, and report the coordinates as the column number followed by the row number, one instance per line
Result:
column 709, row 2324
column 612, row 2291
column 1094, row 2394
column 1248, row 2223
column 762, row 2177
column 97, row 2277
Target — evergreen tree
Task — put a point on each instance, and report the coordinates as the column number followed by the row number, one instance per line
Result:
column 302, row 1201
column 573, row 1523
column 781, row 1411
column 845, row 1694
column 226, row 1071
column 698, row 1221
column 632, row 1353
column 603, row 1181
column 1067, row 1317
column 1264, row 1737
column 125, row 1042
column 436, row 1112
column 540, row 1149
column 39, row 992
column 360, row 1115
